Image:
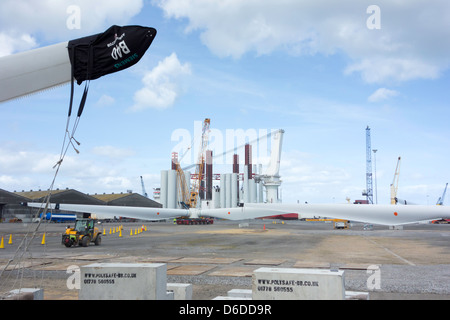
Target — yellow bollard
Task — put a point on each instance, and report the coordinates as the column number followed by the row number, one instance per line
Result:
column 2, row 245
column 10, row 239
column 104, row 231
column 43, row 239
column 145, row 228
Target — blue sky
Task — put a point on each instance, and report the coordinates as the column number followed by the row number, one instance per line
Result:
column 315, row 69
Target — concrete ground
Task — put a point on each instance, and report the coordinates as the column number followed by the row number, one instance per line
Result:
column 414, row 262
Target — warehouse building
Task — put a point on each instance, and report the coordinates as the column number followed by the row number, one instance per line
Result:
column 13, row 210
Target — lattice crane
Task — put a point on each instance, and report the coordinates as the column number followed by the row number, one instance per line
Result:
column 193, row 200
column 369, row 186
column 394, row 184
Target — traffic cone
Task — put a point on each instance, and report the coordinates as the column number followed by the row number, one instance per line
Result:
column 109, row 230
column 2, row 245
column 135, row 231
column 131, row 232
column 104, row 231
column 264, row 227
column 43, row 239
column 120, row 233
column 10, row 239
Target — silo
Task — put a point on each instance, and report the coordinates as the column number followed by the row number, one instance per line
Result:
column 228, row 191
column 246, row 191
column 216, row 197
column 260, row 187
column 163, row 191
column 222, row 190
column 172, row 189
column 252, row 191
column 234, row 191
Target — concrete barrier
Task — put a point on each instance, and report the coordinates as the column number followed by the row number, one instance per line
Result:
column 181, row 291
column 124, row 281
column 26, row 294
column 297, row 284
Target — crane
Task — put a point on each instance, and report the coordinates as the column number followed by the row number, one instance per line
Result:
column 394, row 184
column 200, row 165
column 183, row 189
column 369, row 186
column 144, row 193
column 440, row 201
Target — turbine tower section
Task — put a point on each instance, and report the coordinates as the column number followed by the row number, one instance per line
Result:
column 271, row 177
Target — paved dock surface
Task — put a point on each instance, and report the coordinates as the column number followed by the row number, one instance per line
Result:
column 414, row 262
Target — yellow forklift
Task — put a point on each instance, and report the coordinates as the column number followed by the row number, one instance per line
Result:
column 82, row 234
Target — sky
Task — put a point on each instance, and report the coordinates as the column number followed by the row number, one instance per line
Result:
column 323, row 71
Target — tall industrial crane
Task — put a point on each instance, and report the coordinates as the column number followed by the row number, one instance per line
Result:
column 394, row 184
column 193, row 200
column 440, row 201
column 144, row 193
column 183, row 189
column 369, row 186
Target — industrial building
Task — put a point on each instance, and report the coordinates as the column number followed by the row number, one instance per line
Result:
column 11, row 208
column 205, row 189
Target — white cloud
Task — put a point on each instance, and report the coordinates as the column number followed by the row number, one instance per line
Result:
column 161, row 84
column 11, row 43
column 382, row 94
column 378, row 70
column 408, row 46
column 306, row 178
column 105, row 100
column 78, row 172
column 48, row 19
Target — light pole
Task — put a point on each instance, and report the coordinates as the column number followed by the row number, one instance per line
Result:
column 375, row 165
